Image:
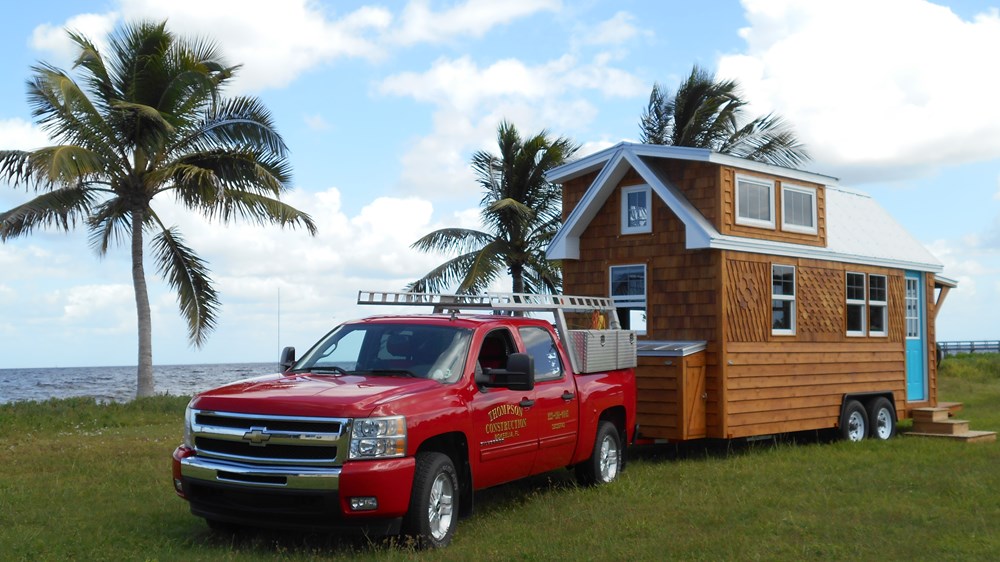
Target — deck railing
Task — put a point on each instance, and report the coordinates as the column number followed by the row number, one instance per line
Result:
column 946, row 348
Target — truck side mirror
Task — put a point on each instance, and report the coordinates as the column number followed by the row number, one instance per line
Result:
column 287, row 358
column 519, row 374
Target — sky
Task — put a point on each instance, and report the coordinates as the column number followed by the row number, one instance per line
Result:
column 383, row 105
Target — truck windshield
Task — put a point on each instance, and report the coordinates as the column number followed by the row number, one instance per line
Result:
column 430, row 352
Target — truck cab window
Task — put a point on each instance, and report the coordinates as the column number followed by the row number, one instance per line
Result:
column 538, row 343
column 497, row 345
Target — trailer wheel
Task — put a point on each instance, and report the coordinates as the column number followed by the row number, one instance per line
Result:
column 433, row 512
column 854, row 421
column 883, row 419
column 605, row 461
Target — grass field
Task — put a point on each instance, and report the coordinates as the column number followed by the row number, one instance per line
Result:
column 81, row 481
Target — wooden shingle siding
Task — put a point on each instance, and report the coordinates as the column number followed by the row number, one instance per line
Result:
column 698, row 182
column 728, row 205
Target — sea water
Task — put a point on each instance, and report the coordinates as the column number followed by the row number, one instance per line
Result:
column 118, row 384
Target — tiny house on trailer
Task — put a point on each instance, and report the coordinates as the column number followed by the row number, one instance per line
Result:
column 767, row 300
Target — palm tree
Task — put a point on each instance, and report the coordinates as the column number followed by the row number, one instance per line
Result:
column 706, row 113
column 521, row 211
column 149, row 120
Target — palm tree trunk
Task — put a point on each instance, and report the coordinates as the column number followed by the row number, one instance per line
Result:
column 145, row 385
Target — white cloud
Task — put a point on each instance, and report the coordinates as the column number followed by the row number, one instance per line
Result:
column 54, row 40
column 17, row 134
column 620, row 28
column 472, row 99
column 316, row 122
column 875, row 89
column 474, row 18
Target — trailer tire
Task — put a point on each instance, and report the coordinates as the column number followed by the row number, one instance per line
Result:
column 605, row 460
column 853, row 421
column 434, row 502
column 882, row 418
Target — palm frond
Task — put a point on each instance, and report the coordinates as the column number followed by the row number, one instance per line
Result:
column 60, row 208
column 460, row 240
column 188, row 275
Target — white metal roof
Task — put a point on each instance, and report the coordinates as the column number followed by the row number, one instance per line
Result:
column 858, row 229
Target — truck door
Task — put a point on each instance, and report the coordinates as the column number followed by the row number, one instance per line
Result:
column 504, row 431
column 556, row 403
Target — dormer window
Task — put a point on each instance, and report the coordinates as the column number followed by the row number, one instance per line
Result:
column 798, row 209
column 754, row 202
column 636, row 210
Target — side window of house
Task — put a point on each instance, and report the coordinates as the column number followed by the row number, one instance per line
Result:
column 754, row 202
column 782, row 300
column 798, row 209
column 878, row 305
column 628, row 292
column 636, row 216
column 856, row 304
column 538, row 343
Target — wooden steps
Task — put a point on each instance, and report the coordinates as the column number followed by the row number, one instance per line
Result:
column 937, row 422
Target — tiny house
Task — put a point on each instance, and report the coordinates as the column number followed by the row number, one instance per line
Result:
column 767, row 300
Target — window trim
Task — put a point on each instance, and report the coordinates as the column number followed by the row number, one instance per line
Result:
column 617, row 301
column 747, row 221
column 792, row 298
column 646, row 228
column 863, row 303
column 884, row 305
column 795, row 227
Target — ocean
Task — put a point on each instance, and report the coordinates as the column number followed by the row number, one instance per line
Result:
column 117, row 384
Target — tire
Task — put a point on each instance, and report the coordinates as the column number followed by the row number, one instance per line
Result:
column 606, row 460
column 882, row 418
column 434, row 503
column 853, row 422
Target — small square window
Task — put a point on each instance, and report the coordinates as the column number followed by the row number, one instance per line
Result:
column 635, row 210
column 798, row 209
column 754, row 202
column 628, row 293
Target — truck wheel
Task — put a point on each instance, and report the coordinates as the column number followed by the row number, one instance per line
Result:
column 853, row 422
column 605, row 461
column 433, row 510
column 883, row 419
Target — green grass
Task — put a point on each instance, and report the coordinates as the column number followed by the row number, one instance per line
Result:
column 83, row 481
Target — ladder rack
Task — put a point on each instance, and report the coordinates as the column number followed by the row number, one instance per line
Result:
column 524, row 302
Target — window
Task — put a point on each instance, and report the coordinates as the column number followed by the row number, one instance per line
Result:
column 912, row 309
column 538, row 343
column 635, row 210
column 628, row 292
column 878, row 305
column 782, row 300
column 856, row 304
column 798, row 209
column 754, row 202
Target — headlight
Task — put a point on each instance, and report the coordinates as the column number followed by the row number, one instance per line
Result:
column 188, row 420
column 375, row 438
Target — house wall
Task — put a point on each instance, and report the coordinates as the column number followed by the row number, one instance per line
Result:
column 778, row 383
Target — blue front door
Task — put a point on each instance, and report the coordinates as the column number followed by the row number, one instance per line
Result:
column 916, row 338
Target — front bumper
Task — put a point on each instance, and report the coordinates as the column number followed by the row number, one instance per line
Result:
column 295, row 497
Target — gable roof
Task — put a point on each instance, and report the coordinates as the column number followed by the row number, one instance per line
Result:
column 858, row 230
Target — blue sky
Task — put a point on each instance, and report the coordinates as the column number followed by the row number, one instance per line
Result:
column 382, row 106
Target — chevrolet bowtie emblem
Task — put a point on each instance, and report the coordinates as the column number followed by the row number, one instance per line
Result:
column 257, row 436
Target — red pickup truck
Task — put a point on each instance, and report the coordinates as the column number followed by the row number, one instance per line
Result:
column 389, row 423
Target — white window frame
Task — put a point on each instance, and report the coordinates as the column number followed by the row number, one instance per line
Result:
column 630, row 301
column 863, row 303
column 646, row 228
column 748, row 221
column 786, row 226
column 791, row 298
column 883, row 305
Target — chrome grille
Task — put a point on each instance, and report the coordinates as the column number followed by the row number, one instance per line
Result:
column 271, row 440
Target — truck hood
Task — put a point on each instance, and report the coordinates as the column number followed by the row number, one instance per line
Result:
column 338, row 396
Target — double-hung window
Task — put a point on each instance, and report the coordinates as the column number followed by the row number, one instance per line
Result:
column 878, row 305
column 782, row 300
column 798, row 209
column 636, row 210
column 754, row 202
column 856, row 304
column 628, row 293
